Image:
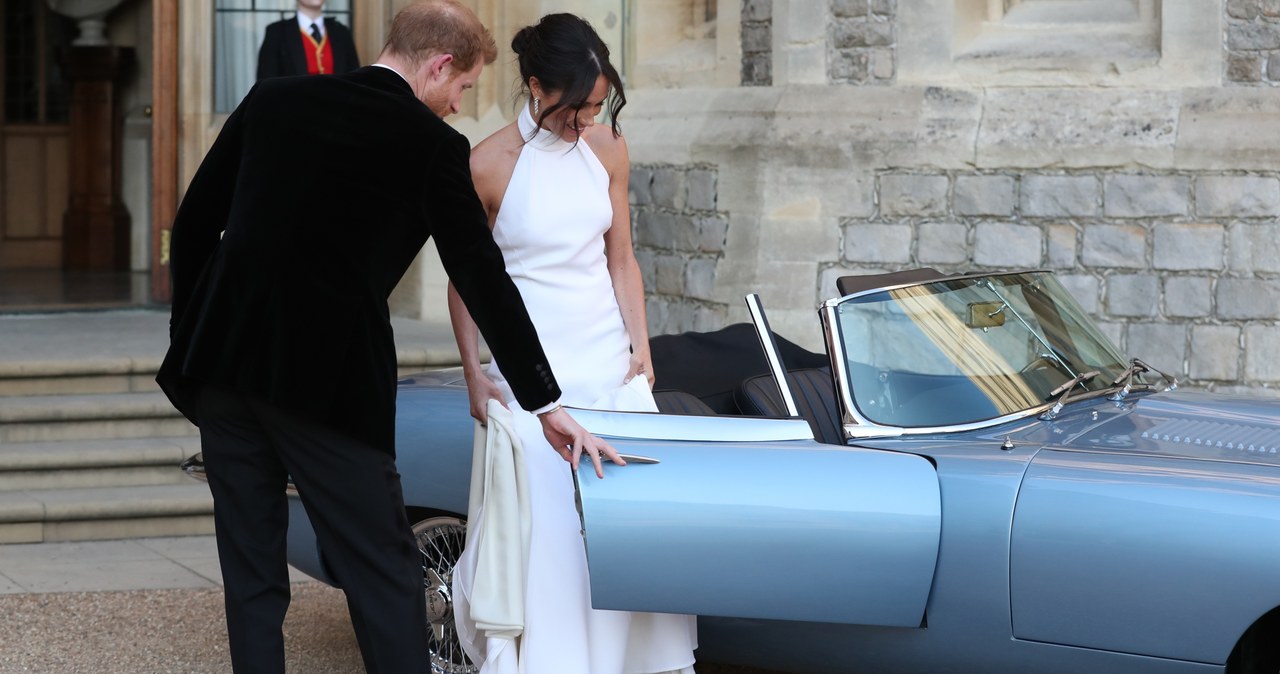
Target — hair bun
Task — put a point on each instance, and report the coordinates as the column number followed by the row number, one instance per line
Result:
column 524, row 40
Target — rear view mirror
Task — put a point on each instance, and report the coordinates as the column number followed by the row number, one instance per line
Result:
column 985, row 315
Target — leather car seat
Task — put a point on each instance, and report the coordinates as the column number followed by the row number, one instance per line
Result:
column 815, row 395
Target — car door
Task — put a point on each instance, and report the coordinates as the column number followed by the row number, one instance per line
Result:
column 748, row 517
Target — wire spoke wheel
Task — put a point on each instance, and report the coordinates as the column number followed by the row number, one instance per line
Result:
column 440, row 540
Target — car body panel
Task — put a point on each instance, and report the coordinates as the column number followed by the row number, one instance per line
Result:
column 715, row 528
column 1099, row 540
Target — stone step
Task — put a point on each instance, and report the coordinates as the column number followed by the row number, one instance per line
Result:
column 42, row 515
column 95, row 463
column 47, row 418
column 75, row 376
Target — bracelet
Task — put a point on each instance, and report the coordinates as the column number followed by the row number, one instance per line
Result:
column 557, row 408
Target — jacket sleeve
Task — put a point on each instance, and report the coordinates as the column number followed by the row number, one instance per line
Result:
column 474, row 263
column 202, row 216
column 269, row 61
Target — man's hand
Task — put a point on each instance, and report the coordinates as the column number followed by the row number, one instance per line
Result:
column 572, row 441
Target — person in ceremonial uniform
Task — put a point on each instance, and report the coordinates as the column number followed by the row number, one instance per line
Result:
column 308, row 44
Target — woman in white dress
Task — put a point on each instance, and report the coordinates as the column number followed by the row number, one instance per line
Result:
column 555, row 187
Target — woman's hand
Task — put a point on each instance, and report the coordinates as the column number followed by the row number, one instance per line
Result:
column 641, row 363
column 480, row 389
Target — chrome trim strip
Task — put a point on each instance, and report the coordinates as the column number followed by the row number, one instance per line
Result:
column 654, row 426
column 770, row 347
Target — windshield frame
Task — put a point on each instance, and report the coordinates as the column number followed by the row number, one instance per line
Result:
column 858, row 425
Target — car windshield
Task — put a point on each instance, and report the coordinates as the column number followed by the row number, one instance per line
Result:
column 969, row 349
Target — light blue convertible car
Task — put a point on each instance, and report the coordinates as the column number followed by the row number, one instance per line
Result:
column 971, row 479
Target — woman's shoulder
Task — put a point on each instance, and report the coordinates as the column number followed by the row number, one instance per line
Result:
column 609, row 147
column 499, row 148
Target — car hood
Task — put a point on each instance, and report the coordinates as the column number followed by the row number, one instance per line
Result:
column 1187, row 424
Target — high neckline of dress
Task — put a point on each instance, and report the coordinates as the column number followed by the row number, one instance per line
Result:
column 543, row 139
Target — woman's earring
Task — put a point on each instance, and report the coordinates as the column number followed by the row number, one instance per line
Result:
column 536, row 101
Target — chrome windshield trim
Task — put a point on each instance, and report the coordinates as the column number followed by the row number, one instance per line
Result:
column 954, row 277
column 655, row 426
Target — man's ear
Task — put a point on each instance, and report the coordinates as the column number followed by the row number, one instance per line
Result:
column 439, row 65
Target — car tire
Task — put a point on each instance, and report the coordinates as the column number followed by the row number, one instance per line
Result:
column 440, row 539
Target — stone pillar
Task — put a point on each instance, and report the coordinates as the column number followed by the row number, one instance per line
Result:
column 96, row 225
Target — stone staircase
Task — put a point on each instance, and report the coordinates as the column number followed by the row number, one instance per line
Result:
column 89, row 449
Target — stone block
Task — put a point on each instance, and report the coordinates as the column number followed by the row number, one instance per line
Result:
column 1262, row 354
column 757, row 70
column 1114, row 332
column 878, row 243
column 1059, row 196
column 1132, row 295
column 850, row 8
column 1007, row 245
column 1062, row 246
column 1269, row 8
column 670, row 275
column 908, row 194
column 849, row 65
column 1163, row 345
column 712, row 234
column 1248, row 299
column 638, row 186
column 700, row 278
column 1079, row 127
column 1190, row 246
column 884, row 64
column 991, row 195
column 1084, row 288
column 1188, row 296
column 702, row 189
column 885, row 8
column 757, row 37
column 1215, row 353
column 708, row 318
column 1138, row 196
column 656, row 313
column 1245, row 67
column 1242, row 9
column 1253, row 36
column 648, row 269
column 686, row 233
column 942, row 243
column 668, row 187
column 1273, row 67
column 757, row 10
column 656, row 229
column 859, row 33
column 1237, row 196
column 1255, row 248
column 1115, row 246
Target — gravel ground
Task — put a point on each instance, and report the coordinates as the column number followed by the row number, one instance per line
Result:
column 174, row 632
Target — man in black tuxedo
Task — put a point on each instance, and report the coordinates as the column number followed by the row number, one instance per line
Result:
column 308, row 44
column 281, row 343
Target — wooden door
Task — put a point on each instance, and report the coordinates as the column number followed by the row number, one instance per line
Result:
column 34, row 147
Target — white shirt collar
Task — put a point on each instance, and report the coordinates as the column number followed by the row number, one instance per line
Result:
column 406, row 79
column 304, row 22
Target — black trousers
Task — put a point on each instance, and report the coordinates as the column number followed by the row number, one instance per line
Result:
column 352, row 495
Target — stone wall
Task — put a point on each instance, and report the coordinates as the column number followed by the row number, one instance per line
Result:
column 679, row 238
column 1252, row 42
column 757, row 43
column 1179, row 268
column 862, row 41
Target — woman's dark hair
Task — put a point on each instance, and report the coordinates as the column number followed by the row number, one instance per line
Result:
column 565, row 54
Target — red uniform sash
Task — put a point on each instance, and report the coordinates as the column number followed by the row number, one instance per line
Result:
column 319, row 54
